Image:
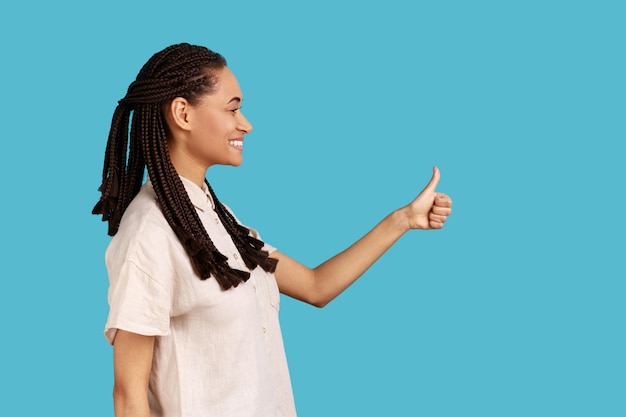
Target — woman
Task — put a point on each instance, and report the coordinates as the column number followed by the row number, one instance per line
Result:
column 193, row 293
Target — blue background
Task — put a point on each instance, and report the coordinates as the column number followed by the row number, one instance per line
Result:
column 516, row 308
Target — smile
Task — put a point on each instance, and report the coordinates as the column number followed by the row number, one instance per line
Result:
column 236, row 143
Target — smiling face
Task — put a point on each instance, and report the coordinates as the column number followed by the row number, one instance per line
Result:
column 209, row 132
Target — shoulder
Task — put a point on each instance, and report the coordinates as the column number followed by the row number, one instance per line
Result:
column 144, row 237
column 144, row 218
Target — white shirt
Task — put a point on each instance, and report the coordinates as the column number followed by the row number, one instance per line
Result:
column 217, row 352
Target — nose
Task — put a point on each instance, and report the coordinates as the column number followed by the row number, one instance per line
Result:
column 243, row 123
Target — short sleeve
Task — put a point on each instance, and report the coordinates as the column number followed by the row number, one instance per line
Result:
column 137, row 303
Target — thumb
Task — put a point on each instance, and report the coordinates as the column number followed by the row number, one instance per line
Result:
column 432, row 185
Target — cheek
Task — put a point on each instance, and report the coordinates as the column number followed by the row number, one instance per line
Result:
column 221, row 125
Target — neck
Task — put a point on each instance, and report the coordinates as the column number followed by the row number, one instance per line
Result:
column 187, row 166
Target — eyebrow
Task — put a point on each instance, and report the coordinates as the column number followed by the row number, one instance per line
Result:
column 235, row 99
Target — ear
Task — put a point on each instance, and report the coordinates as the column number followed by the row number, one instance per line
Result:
column 177, row 114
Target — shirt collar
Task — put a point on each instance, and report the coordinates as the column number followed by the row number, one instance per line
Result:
column 200, row 196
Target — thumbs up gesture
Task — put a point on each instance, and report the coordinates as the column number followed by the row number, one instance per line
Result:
column 430, row 209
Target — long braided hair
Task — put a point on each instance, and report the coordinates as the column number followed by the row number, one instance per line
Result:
column 186, row 71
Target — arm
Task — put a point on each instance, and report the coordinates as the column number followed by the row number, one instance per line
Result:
column 132, row 360
column 318, row 286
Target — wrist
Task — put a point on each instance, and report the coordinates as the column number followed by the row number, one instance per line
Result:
column 400, row 220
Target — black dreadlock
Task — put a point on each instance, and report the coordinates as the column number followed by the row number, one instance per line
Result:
column 186, row 71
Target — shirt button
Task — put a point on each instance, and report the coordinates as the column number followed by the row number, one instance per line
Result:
column 217, row 221
column 235, row 256
column 264, row 330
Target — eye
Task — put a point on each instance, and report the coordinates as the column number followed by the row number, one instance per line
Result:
column 235, row 110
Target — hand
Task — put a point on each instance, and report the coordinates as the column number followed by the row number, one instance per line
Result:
column 430, row 209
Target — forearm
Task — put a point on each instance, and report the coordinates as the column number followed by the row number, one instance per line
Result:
column 318, row 286
column 339, row 272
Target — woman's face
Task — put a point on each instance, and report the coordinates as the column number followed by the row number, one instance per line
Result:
column 216, row 124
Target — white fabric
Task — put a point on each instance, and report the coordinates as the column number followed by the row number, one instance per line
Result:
column 217, row 353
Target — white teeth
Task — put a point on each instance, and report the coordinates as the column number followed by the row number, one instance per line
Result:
column 236, row 143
